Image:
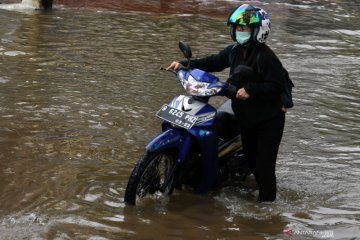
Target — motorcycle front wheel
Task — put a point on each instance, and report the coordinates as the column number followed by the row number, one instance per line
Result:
column 152, row 176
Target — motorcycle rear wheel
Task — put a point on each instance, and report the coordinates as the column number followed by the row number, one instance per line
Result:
column 151, row 177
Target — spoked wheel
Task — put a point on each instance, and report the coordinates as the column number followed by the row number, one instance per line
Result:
column 152, row 177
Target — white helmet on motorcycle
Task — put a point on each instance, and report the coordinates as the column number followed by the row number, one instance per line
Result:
column 255, row 18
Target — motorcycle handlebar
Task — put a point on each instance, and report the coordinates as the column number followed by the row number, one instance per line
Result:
column 169, row 70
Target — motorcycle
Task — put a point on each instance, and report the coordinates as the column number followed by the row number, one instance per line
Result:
column 191, row 150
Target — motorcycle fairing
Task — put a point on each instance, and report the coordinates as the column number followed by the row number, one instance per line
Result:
column 175, row 138
column 199, row 83
column 203, row 111
column 203, row 76
column 208, row 142
column 171, row 138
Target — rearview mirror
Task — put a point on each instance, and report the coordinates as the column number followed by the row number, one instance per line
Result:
column 185, row 49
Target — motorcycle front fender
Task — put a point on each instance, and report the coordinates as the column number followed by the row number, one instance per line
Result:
column 171, row 139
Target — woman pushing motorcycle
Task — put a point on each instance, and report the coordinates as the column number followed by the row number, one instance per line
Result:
column 257, row 103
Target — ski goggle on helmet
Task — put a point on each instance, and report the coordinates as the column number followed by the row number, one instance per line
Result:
column 255, row 18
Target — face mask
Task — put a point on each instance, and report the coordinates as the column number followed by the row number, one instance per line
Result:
column 242, row 37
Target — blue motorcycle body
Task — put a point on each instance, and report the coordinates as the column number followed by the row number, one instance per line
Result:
column 189, row 120
column 191, row 149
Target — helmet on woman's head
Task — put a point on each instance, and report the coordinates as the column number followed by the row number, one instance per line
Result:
column 255, row 18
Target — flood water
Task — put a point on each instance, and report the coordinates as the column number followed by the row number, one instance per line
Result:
column 79, row 87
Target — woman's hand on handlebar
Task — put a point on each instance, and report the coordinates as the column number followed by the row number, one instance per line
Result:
column 242, row 94
column 174, row 66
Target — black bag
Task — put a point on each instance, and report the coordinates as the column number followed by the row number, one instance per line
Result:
column 286, row 96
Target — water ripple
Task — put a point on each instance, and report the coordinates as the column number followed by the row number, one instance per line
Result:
column 79, row 89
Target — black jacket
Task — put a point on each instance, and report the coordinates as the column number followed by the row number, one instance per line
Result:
column 264, row 83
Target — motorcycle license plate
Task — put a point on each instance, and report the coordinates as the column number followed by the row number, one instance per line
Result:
column 176, row 116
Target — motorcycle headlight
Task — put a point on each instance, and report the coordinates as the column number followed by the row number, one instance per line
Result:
column 196, row 88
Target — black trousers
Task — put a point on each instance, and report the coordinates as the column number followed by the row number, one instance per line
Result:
column 261, row 145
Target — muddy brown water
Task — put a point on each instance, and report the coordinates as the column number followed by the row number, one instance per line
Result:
column 79, row 86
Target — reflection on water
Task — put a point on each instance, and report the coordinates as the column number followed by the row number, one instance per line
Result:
column 79, row 87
